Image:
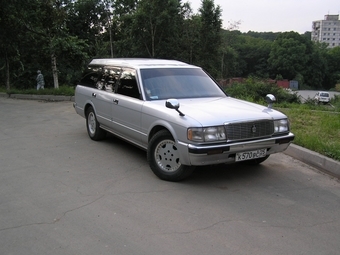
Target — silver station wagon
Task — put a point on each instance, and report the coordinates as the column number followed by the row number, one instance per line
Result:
column 178, row 114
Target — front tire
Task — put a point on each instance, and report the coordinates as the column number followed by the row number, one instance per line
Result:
column 92, row 125
column 163, row 158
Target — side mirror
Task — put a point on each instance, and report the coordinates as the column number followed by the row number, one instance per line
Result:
column 270, row 99
column 173, row 104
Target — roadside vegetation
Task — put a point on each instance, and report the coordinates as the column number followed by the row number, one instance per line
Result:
column 317, row 130
column 62, row 91
column 65, row 35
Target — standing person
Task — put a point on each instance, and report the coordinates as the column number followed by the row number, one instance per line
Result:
column 40, row 80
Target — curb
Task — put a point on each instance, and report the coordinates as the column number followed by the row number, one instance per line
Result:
column 314, row 159
column 53, row 98
column 3, row 95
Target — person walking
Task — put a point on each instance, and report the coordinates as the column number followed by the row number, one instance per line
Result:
column 40, row 80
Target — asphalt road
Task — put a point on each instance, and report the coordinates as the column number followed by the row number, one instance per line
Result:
column 305, row 94
column 62, row 193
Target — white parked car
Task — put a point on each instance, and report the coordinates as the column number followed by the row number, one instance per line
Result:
column 178, row 114
column 322, row 97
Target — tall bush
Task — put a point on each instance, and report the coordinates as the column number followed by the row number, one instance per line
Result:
column 255, row 90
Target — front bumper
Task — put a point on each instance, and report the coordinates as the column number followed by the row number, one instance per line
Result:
column 324, row 100
column 198, row 155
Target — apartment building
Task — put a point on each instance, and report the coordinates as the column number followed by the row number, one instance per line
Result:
column 327, row 31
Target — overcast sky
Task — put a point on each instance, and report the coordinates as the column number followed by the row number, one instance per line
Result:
column 273, row 15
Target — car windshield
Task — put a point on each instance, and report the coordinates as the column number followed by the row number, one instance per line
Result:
column 165, row 83
column 323, row 94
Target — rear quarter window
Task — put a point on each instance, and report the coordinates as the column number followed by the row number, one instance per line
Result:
column 91, row 77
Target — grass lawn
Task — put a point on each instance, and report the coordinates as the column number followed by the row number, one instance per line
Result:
column 62, row 91
column 316, row 130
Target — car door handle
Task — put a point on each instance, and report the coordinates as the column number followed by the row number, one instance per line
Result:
column 94, row 94
column 115, row 101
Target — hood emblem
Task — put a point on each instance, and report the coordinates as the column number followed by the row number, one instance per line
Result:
column 253, row 129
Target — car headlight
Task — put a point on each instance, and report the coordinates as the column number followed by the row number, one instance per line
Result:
column 281, row 126
column 207, row 134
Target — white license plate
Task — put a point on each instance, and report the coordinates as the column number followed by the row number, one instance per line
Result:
column 242, row 156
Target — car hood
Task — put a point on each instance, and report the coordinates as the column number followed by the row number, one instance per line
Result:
column 217, row 111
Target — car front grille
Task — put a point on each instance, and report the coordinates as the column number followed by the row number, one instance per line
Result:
column 249, row 130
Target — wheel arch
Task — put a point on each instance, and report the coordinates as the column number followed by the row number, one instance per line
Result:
column 162, row 126
column 154, row 130
column 87, row 106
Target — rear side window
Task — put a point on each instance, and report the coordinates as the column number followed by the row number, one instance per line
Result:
column 109, row 79
column 128, row 84
column 91, row 77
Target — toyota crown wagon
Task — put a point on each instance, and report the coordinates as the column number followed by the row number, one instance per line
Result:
column 178, row 114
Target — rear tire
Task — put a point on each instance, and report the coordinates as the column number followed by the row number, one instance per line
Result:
column 163, row 158
column 92, row 125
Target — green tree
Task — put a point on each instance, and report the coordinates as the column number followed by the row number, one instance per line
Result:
column 270, row 36
column 316, row 67
column 230, row 59
column 155, row 28
column 59, row 37
column 47, row 28
column 45, row 23
column 89, row 20
column 253, row 54
column 188, row 35
column 289, row 55
column 333, row 72
column 210, row 37
column 11, row 40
